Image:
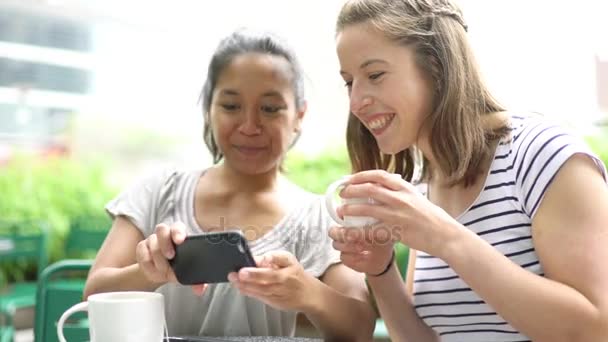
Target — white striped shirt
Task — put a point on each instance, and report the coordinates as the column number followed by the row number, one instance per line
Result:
column 524, row 165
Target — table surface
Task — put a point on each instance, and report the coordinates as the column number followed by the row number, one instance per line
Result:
column 243, row 338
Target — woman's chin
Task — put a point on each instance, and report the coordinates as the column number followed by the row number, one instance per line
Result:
column 389, row 148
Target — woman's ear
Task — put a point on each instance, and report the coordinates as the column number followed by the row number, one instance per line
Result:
column 300, row 116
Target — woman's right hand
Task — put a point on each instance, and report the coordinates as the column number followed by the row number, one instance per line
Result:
column 361, row 250
column 153, row 254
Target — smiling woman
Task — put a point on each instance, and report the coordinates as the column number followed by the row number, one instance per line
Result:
column 256, row 90
column 506, row 214
column 253, row 104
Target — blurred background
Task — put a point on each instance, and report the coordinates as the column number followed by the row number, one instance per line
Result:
column 94, row 94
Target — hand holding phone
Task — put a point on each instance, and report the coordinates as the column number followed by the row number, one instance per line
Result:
column 152, row 254
column 209, row 258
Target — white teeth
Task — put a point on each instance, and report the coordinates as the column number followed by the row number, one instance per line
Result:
column 379, row 123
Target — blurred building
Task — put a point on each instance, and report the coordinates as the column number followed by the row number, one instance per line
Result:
column 45, row 74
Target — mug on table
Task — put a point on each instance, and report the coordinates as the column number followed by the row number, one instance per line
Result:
column 130, row 316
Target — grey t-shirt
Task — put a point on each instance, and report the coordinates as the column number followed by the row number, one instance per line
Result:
column 222, row 311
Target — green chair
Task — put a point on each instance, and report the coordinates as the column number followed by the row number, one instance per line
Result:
column 7, row 331
column 402, row 253
column 61, row 285
column 86, row 236
column 23, row 243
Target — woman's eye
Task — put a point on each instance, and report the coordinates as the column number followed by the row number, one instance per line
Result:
column 271, row 109
column 376, row 76
column 230, row 107
column 348, row 84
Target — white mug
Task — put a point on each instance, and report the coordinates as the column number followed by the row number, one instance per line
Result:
column 121, row 317
column 348, row 221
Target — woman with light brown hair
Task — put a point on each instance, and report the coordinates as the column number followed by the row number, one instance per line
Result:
column 508, row 243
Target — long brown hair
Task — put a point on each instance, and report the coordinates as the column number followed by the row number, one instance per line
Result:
column 437, row 32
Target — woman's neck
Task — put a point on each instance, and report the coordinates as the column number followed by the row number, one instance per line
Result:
column 248, row 183
column 490, row 121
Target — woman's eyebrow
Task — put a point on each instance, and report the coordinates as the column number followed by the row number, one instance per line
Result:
column 229, row 92
column 273, row 93
column 366, row 64
column 372, row 61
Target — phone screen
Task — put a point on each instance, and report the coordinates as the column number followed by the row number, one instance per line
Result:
column 210, row 257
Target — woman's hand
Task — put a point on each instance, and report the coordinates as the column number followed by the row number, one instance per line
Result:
column 363, row 249
column 278, row 281
column 153, row 254
column 404, row 213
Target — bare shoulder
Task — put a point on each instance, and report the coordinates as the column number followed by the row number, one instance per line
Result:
column 570, row 229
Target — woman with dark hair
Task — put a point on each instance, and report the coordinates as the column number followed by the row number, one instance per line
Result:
column 508, row 244
column 253, row 104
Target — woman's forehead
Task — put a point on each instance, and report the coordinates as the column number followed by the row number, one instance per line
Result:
column 257, row 71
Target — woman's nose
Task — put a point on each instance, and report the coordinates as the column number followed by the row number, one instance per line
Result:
column 250, row 125
column 359, row 100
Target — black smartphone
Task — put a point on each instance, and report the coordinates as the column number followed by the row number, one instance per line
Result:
column 208, row 258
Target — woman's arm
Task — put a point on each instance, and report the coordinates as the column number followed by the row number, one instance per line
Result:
column 115, row 267
column 339, row 305
column 570, row 232
column 395, row 304
column 392, row 296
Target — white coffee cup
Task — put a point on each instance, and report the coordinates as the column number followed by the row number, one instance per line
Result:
column 347, row 221
column 121, row 317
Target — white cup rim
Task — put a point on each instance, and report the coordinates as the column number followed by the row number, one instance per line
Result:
column 124, row 296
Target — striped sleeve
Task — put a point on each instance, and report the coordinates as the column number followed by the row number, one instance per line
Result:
column 542, row 150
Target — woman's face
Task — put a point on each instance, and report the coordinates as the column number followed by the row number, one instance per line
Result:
column 253, row 113
column 388, row 93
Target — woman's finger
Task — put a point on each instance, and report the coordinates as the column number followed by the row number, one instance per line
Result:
column 260, row 276
column 384, row 214
column 281, row 259
column 163, row 235
column 144, row 258
column 178, row 232
column 378, row 193
column 199, row 289
column 159, row 260
column 391, row 181
column 254, row 290
column 336, row 234
column 347, row 234
column 347, row 247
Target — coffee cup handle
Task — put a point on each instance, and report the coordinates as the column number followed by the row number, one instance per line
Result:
column 330, row 204
column 84, row 306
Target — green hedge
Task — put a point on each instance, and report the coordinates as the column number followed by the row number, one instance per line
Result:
column 599, row 144
column 55, row 191
column 315, row 173
column 61, row 191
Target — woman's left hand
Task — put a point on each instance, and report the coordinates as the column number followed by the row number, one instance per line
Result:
column 278, row 281
column 407, row 214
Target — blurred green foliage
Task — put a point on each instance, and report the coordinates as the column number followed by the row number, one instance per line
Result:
column 60, row 192
column 55, row 191
column 315, row 173
column 599, row 144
